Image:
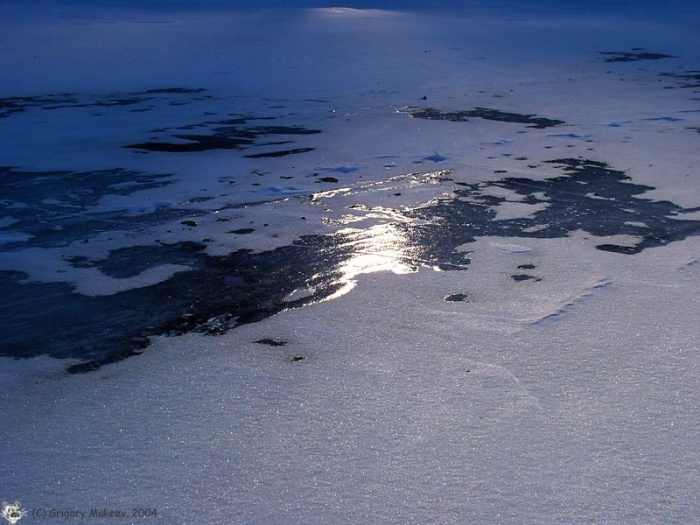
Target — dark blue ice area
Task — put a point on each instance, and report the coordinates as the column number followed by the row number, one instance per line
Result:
column 55, row 207
column 221, row 292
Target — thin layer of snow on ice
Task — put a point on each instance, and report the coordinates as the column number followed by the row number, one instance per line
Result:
column 542, row 379
column 406, row 408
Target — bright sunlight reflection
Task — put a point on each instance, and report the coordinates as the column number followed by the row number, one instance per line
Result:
column 381, row 248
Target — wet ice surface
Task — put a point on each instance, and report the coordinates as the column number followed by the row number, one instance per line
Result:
column 484, row 113
column 635, row 55
column 212, row 294
column 457, row 285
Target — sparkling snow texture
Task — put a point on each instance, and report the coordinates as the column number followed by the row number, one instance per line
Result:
column 515, row 378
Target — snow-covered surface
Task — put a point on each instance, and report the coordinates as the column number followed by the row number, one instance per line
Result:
column 540, row 380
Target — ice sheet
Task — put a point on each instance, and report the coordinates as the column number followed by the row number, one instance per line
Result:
column 465, row 236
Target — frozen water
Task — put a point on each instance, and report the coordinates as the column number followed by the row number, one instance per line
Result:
column 423, row 262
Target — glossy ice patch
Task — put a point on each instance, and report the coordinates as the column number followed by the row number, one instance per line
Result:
column 216, row 293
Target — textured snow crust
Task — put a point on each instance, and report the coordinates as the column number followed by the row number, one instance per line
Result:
column 542, row 375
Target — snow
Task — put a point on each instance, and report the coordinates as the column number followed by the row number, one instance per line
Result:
column 562, row 386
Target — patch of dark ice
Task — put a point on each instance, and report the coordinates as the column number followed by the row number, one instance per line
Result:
column 54, row 207
column 532, row 121
column 220, row 292
column 13, row 105
column 636, row 55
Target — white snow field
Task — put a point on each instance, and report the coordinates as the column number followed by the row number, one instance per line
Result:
column 480, row 221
